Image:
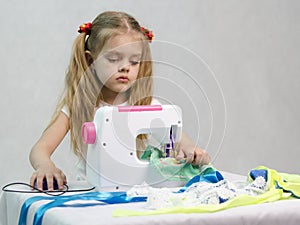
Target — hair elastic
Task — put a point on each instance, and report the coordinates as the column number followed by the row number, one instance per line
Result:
column 85, row 28
column 148, row 34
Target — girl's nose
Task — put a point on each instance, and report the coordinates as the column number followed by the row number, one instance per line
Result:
column 125, row 68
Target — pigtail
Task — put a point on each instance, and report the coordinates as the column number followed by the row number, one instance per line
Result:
column 74, row 73
column 81, row 89
column 84, row 89
column 78, row 64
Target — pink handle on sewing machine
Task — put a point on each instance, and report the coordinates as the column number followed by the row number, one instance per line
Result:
column 88, row 132
column 139, row 108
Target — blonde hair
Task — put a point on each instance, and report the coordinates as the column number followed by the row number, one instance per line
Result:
column 83, row 88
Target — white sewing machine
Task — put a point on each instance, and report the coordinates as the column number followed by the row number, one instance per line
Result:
column 112, row 162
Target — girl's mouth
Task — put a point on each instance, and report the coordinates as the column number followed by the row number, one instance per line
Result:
column 123, row 79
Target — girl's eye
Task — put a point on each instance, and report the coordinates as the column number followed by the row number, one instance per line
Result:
column 112, row 60
column 134, row 63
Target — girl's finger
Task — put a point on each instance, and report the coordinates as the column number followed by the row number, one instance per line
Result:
column 33, row 178
column 180, row 155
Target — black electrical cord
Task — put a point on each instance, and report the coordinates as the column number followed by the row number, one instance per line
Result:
column 36, row 190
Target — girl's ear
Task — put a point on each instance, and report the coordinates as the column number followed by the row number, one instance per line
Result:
column 89, row 57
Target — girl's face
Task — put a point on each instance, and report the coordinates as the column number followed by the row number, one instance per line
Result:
column 118, row 64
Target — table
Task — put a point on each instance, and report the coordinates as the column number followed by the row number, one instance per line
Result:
column 281, row 212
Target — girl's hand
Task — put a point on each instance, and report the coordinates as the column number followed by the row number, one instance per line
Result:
column 189, row 151
column 49, row 171
column 194, row 155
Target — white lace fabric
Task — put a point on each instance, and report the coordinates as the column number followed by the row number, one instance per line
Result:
column 198, row 193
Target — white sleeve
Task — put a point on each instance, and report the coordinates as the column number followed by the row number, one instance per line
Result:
column 155, row 102
column 65, row 110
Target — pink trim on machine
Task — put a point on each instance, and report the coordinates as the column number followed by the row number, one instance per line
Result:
column 140, row 108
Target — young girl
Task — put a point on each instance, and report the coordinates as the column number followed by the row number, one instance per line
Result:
column 110, row 65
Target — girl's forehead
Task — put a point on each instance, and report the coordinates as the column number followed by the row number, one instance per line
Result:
column 124, row 43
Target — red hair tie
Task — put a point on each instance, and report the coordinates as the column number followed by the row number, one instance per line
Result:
column 148, row 34
column 85, row 28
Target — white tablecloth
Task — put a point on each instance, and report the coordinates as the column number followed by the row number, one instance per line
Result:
column 285, row 212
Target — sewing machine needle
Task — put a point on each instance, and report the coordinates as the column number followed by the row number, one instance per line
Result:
column 172, row 138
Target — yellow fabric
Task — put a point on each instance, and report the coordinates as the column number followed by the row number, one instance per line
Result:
column 287, row 182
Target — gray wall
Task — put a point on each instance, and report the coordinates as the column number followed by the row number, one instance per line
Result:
column 233, row 66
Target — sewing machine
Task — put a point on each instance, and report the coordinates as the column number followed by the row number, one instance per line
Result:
column 112, row 162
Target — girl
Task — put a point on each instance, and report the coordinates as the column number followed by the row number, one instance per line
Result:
column 110, row 65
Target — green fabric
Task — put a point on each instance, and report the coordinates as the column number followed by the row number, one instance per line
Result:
column 281, row 186
column 170, row 168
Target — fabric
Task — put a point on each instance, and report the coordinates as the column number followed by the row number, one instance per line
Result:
column 169, row 168
column 278, row 186
column 208, row 187
column 71, row 201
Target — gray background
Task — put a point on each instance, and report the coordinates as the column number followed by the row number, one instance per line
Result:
column 233, row 66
